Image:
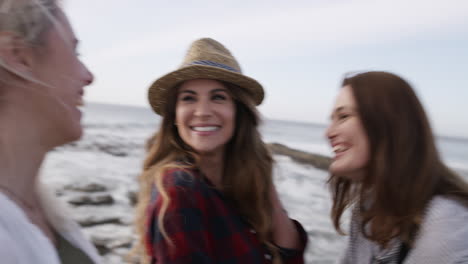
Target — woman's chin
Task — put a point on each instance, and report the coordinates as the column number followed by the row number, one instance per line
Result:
column 77, row 133
column 72, row 134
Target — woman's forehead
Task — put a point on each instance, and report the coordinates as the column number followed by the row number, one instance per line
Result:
column 202, row 85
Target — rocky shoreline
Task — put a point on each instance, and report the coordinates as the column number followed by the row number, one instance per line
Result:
column 316, row 160
column 107, row 218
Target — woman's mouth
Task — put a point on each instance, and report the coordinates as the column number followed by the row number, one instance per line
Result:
column 339, row 149
column 205, row 128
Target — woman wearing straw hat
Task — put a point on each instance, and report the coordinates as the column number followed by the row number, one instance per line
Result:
column 207, row 193
column 41, row 84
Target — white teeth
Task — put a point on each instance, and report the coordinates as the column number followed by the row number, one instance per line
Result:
column 206, row 128
column 339, row 148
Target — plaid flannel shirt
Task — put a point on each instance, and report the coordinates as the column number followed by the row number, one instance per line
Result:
column 204, row 228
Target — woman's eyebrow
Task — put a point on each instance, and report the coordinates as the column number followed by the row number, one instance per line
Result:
column 187, row 91
column 219, row 90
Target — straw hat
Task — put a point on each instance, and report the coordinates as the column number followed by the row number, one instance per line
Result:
column 205, row 59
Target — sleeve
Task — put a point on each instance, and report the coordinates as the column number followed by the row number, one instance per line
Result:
column 184, row 222
column 442, row 240
column 295, row 256
column 443, row 237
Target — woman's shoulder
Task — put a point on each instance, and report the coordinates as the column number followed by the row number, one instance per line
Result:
column 11, row 214
column 57, row 214
column 443, row 235
column 20, row 239
column 186, row 178
column 445, row 219
column 8, row 248
column 444, row 207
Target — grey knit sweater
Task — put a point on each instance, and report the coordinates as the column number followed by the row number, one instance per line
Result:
column 442, row 239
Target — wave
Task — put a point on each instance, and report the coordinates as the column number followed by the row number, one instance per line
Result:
column 112, row 145
column 123, row 145
column 458, row 165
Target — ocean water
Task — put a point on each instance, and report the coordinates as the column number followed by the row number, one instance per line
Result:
column 111, row 152
column 303, row 136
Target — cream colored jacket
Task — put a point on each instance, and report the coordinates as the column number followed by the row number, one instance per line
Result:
column 22, row 242
column 442, row 238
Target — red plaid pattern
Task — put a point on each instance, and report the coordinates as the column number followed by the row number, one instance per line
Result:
column 204, row 228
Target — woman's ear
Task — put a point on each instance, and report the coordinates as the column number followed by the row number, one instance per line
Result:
column 15, row 55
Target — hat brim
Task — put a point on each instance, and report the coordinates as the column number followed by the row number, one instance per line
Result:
column 158, row 90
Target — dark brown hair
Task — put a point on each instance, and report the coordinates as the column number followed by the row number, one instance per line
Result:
column 404, row 171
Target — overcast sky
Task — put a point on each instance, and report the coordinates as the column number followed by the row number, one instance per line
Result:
column 299, row 50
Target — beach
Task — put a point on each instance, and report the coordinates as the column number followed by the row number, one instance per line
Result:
column 97, row 177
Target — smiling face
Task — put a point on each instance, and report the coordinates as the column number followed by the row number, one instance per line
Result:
column 347, row 137
column 205, row 115
column 58, row 66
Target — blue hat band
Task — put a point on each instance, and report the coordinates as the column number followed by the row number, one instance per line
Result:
column 214, row 64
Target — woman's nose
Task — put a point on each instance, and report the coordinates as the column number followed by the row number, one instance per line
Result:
column 203, row 108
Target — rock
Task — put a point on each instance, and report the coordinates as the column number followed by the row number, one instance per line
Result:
column 59, row 193
column 99, row 199
column 132, row 197
column 120, row 255
column 101, row 246
column 112, row 150
column 316, row 160
column 99, row 220
column 86, row 187
column 89, row 216
column 109, row 238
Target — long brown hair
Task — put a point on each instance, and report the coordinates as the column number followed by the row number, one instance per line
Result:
column 248, row 189
column 404, row 171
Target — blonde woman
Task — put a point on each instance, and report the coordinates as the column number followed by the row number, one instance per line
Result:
column 41, row 85
column 207, row 193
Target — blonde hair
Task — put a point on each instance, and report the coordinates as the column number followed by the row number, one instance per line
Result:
column 248, row 189
column 27, row 20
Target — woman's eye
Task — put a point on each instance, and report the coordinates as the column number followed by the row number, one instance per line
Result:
column 187, row 98
column 219, row 97
column 343, row 116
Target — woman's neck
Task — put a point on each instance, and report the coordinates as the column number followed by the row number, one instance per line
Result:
column 20, row 161
column 212, row 166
